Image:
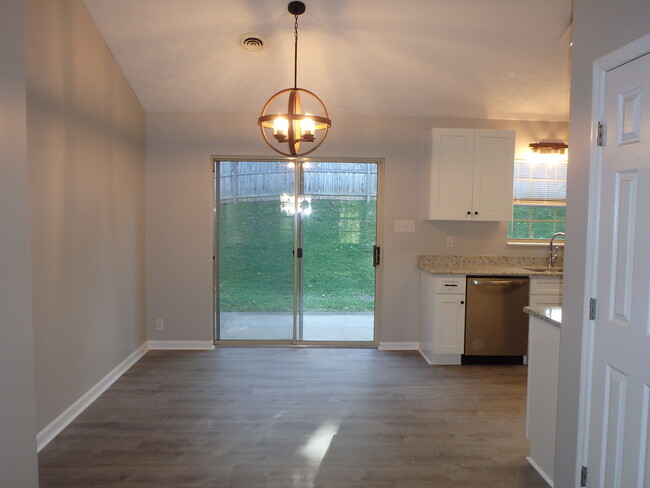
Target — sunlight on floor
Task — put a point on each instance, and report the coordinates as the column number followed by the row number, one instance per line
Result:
column 319, row 442
column 314, row 451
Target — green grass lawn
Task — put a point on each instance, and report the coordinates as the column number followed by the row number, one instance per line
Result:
column 536, row 221
column 256, row 261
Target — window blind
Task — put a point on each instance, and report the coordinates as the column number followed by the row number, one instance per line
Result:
column 539, row 181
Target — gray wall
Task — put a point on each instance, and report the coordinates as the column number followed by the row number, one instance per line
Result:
column 85, row 132
column 179, row 215
column 600, row 27
column 17, row 399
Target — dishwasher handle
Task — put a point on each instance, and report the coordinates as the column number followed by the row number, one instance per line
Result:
column 504, row 282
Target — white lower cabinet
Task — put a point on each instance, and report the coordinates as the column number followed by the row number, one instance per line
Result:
column 442, row 312
column 449, row 311
column 442, row 318
column 545, row 291
column 541, row 401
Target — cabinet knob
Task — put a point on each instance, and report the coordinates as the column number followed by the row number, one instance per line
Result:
column 469, row 213
column 462, row 302
column 475, row 213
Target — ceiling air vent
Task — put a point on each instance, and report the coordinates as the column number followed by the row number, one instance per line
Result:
column 251, row 42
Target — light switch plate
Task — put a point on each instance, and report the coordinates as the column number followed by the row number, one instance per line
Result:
column 405, row 226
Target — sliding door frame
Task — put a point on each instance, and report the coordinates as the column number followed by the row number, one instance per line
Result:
column 298, row 174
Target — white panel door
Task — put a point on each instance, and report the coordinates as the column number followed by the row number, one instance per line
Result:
column 618, row 432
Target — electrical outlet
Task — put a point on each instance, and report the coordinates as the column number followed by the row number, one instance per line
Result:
column 450, row 241
column 159, row 324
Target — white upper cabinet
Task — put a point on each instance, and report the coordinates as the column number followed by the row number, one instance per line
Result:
column 471, row 174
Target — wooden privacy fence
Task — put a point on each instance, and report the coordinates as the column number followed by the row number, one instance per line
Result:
column 262, row 180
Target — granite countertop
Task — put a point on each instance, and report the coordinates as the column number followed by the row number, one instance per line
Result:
column 488, row 265
column 551, row 315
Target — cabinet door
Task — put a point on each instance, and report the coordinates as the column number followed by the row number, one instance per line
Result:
column 545, row 291
column 494, row 152
column 452, row 161
column 448, row 324
column 545, row 286
column 545, row 300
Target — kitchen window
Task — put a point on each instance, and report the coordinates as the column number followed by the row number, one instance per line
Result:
column 539, row 192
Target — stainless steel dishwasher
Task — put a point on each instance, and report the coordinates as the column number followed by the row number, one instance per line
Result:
column 496, row 327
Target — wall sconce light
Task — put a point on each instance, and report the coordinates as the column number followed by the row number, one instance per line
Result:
column 548, row 147
column 305, row 120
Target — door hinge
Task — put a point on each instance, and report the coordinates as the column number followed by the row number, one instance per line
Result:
column 592, row 308
column 600, row 134
column 298, row 252
column 376, row 256
column 583, row 476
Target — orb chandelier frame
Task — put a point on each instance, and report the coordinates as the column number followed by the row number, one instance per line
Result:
column 296, row 125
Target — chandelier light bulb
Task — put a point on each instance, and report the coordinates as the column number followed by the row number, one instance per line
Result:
column 308, row 127
column 280, row 128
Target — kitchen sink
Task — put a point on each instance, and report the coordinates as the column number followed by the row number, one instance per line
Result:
column 544, row 269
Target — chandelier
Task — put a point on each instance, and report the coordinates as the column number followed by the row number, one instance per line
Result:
column 294, row 116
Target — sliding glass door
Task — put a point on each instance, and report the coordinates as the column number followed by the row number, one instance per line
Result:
column 338, row 236
column 295, row 266
column 254, row 250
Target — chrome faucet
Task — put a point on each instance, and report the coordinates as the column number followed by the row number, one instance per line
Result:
column 553, row 251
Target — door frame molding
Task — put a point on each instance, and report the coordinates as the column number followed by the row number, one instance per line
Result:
column 380, row 162
column 601, row 67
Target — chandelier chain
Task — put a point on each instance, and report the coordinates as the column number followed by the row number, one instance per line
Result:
column 295, row 53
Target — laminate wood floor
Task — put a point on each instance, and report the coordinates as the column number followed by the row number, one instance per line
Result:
column 298, row 417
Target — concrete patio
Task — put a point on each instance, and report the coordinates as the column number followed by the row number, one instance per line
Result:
column 330, row 327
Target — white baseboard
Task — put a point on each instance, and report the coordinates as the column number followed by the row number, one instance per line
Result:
column 44, row 437
column 540, row 471
column 53, row 429
column 441, row 359
column 181, row 345
column 399, row 346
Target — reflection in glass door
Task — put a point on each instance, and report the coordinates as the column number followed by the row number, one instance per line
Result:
column 295, row 267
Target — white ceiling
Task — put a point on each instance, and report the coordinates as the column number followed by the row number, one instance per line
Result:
column 495, row 59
